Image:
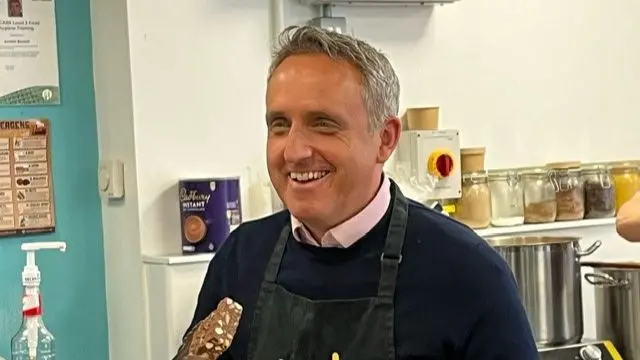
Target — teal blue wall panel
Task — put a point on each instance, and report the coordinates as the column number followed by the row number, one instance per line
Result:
column 73, row 283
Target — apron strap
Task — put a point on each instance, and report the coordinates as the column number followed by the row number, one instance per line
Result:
column 392, row 255
column 266, row 288
column 271, row 273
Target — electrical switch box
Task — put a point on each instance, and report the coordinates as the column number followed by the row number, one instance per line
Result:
column 432, row 158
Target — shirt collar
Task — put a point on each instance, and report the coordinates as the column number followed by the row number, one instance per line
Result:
column 347, row 233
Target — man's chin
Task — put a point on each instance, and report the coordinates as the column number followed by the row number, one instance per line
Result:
column 302, row 212
column 305, row 210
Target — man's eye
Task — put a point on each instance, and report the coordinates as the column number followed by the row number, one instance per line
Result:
column 278, row 125
column 325, row 122
column 326, row 125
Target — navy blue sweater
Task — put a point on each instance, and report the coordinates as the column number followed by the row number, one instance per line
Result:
column 456, row 298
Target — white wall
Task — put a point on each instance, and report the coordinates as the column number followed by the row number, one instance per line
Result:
column 533, row 81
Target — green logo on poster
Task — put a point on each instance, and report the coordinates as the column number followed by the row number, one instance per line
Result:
column 47, row 94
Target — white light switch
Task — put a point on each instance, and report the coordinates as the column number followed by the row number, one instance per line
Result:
column 111, row 179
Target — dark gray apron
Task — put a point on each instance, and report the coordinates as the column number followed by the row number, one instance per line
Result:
column 290, row 327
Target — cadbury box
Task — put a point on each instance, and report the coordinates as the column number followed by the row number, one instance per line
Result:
column 209, row 210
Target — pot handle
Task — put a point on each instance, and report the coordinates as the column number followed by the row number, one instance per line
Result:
column 604, row 280
column 591, row 249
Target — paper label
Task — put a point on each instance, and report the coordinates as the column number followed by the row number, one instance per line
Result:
column 31, row 305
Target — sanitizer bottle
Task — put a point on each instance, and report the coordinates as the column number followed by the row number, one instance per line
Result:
column 33, row 341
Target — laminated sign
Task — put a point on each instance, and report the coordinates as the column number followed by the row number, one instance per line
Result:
column 28, row 53
column 26, row 189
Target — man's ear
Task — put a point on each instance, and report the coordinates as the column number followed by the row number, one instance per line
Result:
column 389, row 137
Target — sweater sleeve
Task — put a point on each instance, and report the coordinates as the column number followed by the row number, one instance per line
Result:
column 214, row 284
column 502, row 330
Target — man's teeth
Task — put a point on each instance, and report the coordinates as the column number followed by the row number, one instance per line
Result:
column 308, row 176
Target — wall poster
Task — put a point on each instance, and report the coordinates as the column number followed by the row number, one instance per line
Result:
column 26, row 189
column 28, row 53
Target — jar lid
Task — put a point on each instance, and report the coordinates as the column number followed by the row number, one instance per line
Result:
column 477, row 175
column 624, row 165
column 473, row 151
column 502, row 173
column 595, row 167
column 565, row 165
column 535, row 171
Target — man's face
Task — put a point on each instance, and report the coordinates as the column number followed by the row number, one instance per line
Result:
column 15, row 8
column 322, row 157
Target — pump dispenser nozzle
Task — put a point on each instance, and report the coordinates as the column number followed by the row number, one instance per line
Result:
column 31, row 273
column 31, row 307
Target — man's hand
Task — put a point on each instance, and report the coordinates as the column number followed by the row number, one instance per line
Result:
column 628, row 219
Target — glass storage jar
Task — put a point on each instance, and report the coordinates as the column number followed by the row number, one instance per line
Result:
column 599, row 192
column 507, row 198
column 569, row 187
column 626, row 180
column 539, row 196
column 474, row 206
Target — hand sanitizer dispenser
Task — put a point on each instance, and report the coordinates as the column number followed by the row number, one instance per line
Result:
column 33, row 341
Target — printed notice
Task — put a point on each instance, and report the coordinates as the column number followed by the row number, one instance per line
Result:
column 28, row 53
column 26, row 191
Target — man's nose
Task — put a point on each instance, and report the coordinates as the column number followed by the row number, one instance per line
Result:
column 297, row 147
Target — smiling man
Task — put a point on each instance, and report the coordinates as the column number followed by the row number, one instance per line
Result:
column 352, row 267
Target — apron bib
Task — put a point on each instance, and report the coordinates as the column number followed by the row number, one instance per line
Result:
column 291, row 327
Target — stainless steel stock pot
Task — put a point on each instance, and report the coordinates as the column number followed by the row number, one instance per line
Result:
column 617, row 302
column 547, row 270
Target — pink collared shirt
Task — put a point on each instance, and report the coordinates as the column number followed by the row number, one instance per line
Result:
column 350, row 231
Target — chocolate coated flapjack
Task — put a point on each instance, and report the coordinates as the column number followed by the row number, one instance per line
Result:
column 213, row 335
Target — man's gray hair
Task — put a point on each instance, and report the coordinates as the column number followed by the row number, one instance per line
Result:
column 381, row 90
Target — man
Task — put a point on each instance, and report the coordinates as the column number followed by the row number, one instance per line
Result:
column 15, row 8
column 628, row 219
column 353, row 267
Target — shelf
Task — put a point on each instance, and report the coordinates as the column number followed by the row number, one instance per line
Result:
column 534, row 228
column 177, row 259
column 494, row 231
